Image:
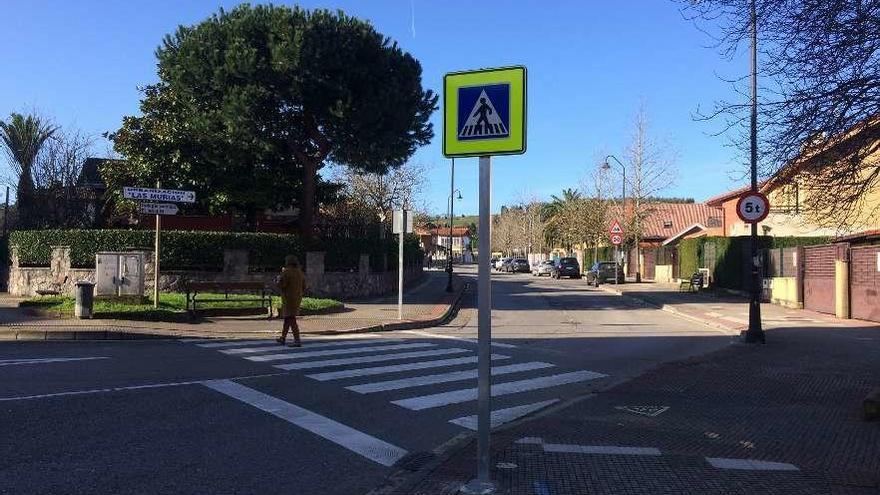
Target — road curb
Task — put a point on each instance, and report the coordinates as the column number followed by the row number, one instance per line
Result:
column 447, row 315
column 25, row 332
column 672, row 310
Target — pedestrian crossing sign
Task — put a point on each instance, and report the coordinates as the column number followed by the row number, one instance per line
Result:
column 484, row 112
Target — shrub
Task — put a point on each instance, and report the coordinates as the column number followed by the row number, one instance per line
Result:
column 199, row 250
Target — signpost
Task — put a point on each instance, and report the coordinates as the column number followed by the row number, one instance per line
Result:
column 752, row 207
column 616, row 232
column 158, row 209
column 484, row 114
column 147, row 194
column 401, row 223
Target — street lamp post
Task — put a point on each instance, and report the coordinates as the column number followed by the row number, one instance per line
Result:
column 452, row 198
column 755, row 333
column 606, row 166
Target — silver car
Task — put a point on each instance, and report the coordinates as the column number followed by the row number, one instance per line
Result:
column 542, row 268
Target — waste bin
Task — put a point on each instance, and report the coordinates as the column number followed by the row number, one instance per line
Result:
column 85, row 297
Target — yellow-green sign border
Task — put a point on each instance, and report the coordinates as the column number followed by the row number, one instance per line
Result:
column 512, row 145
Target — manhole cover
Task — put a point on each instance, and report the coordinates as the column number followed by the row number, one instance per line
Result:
column 414, row 461
column 651, row 411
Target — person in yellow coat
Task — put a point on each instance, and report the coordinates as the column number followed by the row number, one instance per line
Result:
column 292, row 285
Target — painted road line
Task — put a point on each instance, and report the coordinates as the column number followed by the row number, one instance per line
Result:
column 237, row 343
column 395, row 368
column 502, row 416
column 337, row 352
column 452, row 337
column 599, row 449
column 370, row 359
column 308, row 346
column 127, row 388
column 356, row 441
column 454, row 376
column 15, row 362
column 506, row 388
column 750, row 464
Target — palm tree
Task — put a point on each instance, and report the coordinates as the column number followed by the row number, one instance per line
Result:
column 22, row 138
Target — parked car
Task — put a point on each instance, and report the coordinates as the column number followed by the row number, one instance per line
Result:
column 542, row 268
column 518, row 265
column 566, row 267
column 492, row 262
column 603, row 271
column 501, row 266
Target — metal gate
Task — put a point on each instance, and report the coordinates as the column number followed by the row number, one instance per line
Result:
column 865, row 282
column 819, row 278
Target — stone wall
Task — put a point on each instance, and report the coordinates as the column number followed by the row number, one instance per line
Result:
column 25, row 281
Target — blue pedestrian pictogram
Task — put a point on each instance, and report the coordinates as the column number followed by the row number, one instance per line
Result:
column 484, row 112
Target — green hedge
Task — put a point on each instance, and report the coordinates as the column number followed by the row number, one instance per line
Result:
column 198, row 250
column 731, row 256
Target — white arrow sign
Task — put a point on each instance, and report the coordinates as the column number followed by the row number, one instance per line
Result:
column 157, row 208
column 148, row 194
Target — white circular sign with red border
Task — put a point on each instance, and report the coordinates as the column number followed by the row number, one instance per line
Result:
column 752, row 207
column 616, row 239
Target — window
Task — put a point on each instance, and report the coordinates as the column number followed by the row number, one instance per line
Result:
column 667, row 224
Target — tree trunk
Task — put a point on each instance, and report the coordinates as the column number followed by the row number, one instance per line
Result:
column 24, row 200
column 307, row 204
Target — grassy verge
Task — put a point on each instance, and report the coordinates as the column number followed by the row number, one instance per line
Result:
column 172, row 306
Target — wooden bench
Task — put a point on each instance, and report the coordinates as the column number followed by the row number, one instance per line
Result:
column 55, row 287
column 261, row 292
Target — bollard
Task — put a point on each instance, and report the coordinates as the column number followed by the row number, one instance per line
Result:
column 85, row 297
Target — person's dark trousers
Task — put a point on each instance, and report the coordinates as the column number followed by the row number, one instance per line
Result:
column 290, row 323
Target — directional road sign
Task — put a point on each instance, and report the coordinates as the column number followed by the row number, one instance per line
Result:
column 752, row 207
column 157, row 208
column 148, row 194
column 484, row 112
column 615, row 228
column 616, row 239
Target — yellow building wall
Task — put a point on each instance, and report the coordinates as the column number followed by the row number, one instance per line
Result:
column 663, row 273
column 783, row 291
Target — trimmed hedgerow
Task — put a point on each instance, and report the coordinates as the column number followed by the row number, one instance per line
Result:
column 201, row 250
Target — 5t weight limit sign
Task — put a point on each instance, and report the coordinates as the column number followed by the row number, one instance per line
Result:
column 752, row 207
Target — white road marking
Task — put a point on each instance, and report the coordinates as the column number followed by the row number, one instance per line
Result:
column 750, row 464
column 452, row 337
column 129, row 387
column 356, row 441
column 308, row 346
column 506, row 388
column 531, row 441
column 381, row 370
column 502, row 416
column 454, row 376
column 237, row 343
column 599, row 449
column 15, row 362
column 370, row 359
column 337, row 352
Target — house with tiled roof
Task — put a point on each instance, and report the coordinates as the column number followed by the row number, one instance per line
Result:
column 663, row 226
column 435, row 241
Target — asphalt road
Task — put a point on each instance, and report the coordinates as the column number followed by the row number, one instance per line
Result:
column 333, row 417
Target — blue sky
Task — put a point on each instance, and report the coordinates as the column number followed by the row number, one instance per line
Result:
column 590, row 65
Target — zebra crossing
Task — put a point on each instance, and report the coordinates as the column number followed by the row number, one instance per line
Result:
column 418, row 373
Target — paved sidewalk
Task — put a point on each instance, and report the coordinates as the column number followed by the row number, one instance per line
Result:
column 722, row 310
column 781, row 418
column 426, row 304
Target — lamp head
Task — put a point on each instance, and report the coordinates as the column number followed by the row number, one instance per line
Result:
column 605, row 165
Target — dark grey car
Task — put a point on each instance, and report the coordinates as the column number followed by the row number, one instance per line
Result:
column 566, row 267
column 603, row 271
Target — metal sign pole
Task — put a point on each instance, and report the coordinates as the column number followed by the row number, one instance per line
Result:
column 483, row 485
column 156, row 257
column 400, row 267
